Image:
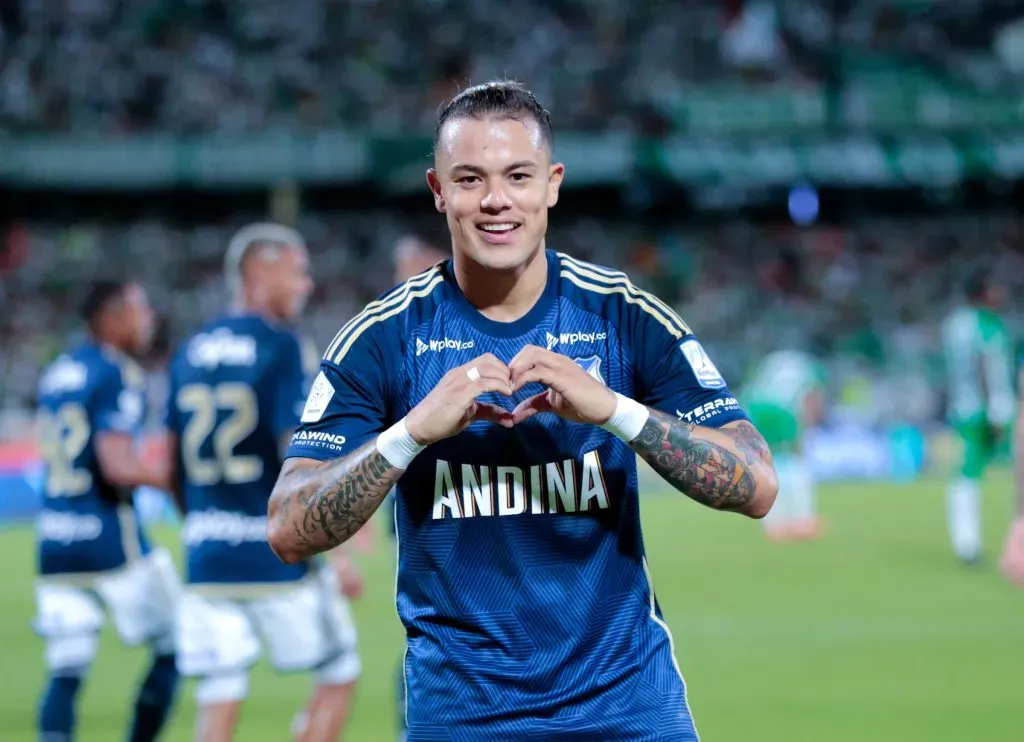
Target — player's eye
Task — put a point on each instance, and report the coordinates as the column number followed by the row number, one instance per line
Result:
column 519, row 177
column 467, row 180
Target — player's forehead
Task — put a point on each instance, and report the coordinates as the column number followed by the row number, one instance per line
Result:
column 135, row 296
column 490, row 142
column 296, row 255
column 276, row 254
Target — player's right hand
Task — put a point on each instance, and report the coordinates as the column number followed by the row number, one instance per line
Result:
column 452, row 405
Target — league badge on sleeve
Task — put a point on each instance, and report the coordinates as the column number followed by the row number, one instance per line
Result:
column 319, row 398
column 705, row 371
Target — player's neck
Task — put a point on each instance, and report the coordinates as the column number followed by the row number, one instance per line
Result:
column 250, row 308
column 105, row 340
column 502, row 296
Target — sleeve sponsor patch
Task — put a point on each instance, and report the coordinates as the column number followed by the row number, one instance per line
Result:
column 320, row 396
column 704, row 370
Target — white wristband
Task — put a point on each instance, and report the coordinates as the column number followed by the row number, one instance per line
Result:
column 397, row 446
column 628, row 419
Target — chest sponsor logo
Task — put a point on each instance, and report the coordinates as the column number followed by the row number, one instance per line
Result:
column 436, row 346
column 560, row 487
column 571, row 338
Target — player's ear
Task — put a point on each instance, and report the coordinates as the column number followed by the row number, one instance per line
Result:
column 435, row 187
column 556, row 172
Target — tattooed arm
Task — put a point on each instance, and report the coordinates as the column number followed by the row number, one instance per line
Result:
column 317, row 505
column 727, row 468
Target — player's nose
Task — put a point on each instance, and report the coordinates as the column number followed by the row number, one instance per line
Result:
column 495, row 199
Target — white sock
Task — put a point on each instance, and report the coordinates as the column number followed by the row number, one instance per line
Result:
column 804, row 498
column 963, row 513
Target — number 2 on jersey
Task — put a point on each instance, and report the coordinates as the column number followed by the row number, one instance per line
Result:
column 63, row 435
column 205, row 402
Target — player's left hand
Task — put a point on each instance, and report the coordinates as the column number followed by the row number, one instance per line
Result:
column 571, row 392
column 1012, row 562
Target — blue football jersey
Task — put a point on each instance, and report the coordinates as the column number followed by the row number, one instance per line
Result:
column 236, row 390
column 86, row 525
column 522, row 581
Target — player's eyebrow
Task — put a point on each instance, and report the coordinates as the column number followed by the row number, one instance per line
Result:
column 476, row 169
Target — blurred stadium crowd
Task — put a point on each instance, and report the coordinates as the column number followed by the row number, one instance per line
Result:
column 188, row 66
column 869, row 295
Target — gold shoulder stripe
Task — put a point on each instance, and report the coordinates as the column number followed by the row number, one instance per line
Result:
column 394, row 297
column 385, row 313
column 597, row 288
column 594, row 271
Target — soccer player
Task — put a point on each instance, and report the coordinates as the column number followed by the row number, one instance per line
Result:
column 507, row 393
column 783, row 398
column 93, row 554
column 237, row 389
column 981, row 402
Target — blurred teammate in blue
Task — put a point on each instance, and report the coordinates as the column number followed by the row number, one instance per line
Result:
column 236, row 392
column 93, row 554
column 507, row 393
column 412, row 256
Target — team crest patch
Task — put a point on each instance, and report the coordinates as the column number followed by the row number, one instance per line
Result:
column 706, row 372
column 592, row 366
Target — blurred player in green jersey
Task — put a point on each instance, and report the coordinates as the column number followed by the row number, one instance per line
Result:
column 979, row 370
column 783, row 398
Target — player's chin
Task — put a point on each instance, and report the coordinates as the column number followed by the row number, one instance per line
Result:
column 141, row 346
column 505, row 255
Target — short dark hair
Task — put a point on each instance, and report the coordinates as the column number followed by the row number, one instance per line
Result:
column 500, row 99
column 100, row 295
column 976, row 284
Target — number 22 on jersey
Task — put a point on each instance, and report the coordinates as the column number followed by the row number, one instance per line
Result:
column 225, row 432
column 63, row 436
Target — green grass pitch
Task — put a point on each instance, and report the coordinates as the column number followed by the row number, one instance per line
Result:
column 874, row 633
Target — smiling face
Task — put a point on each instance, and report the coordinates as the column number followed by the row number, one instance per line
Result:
column 494, row 181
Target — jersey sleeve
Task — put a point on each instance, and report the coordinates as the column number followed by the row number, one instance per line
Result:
column 118, row 407
column 347, row 403
column 676, row 375
column 290, row 384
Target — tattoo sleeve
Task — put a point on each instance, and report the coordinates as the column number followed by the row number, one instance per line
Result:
column 716, row 467
column 318, row 506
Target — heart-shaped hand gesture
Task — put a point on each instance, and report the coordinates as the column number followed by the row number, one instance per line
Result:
column 571, row 392
column 452, row 405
